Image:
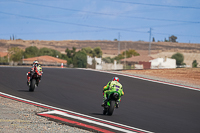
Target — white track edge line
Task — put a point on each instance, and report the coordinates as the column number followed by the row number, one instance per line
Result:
column 73, row 112
column 89, row 121
column 147, row 79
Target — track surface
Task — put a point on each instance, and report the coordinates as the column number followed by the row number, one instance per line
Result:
column 146, row 105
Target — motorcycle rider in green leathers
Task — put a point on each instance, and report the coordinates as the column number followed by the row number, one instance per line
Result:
column 107, row 90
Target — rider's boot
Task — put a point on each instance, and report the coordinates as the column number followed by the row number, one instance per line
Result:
column 28, row 83
column 28, row 79
column 104, row 103
column 117, row 104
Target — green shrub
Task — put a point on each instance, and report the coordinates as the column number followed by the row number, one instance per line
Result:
column 31, row 51
column 108, row 60
column 80, row 59
column 179, row 58
column 15, row 54
column 194, row 63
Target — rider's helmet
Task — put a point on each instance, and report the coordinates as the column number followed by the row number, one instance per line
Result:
column 115, row 79
column 35, row 63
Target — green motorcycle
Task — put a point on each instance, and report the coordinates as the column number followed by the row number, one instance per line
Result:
column 113, row 96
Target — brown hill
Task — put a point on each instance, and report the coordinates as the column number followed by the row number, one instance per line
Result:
column 105, row 45
column 110, row 48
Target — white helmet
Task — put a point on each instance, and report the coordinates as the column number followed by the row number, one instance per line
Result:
column 35, row 62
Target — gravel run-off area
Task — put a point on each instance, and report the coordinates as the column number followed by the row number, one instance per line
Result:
column 18, row 117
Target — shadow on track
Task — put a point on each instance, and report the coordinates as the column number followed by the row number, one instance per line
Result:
column 23, row 90
column 96, row 113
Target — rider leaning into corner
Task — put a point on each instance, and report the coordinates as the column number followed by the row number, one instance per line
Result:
column 108, row 89
column 36, row 68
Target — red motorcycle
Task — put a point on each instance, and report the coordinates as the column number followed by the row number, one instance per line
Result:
column 34, row 81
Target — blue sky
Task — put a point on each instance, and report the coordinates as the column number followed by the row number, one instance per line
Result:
column 100, row 19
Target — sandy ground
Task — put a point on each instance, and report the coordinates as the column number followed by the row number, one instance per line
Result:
column 187, row 76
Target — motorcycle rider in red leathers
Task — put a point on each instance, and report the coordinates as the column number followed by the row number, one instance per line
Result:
column 35, row 69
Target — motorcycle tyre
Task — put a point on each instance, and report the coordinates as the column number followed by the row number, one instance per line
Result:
column 111, row 108
column 32, row 86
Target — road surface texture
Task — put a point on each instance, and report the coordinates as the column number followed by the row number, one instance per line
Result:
column 146, row 105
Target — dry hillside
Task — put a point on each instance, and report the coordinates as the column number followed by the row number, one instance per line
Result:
column 110, row 48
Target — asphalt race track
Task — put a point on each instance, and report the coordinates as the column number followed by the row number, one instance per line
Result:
column 146, row 105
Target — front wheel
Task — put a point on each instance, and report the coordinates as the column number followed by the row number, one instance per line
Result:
column 111, row 108
column 32, row 86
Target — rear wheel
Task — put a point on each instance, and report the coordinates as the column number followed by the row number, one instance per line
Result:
column 32, row 86
column 111, row 108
